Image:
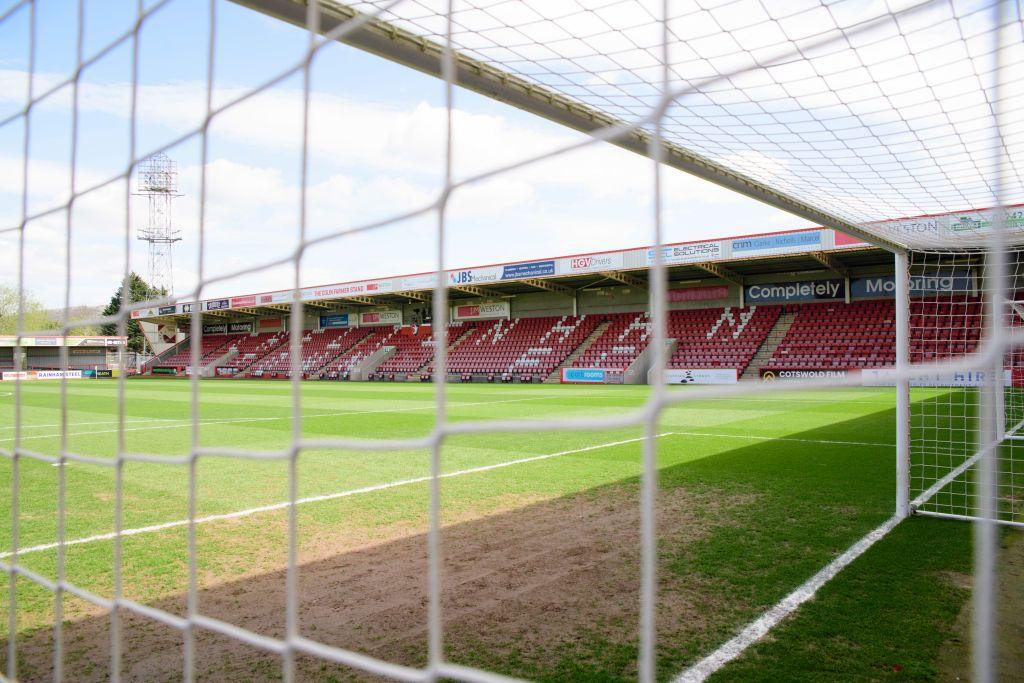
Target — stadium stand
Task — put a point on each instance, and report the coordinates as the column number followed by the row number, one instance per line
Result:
column 252, row 347
column 862, row 334
column 826, row 335
column 211, row 346
column 521, row 347
column 319, row 347
column 618, row 346
column 719, row 337
column 414, row 348
column 373, row 338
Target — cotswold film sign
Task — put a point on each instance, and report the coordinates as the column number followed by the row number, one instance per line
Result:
column 795, row 291
column 769, row 375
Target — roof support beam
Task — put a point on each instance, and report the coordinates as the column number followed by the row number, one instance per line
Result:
column 477, row 291
column 830, row 262
column 626, row 279
column 415, row 296
column 360, row 300
column 397, row 44
column 721, row 272
column 549, row 286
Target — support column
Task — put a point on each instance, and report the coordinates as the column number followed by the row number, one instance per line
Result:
column 902, row 277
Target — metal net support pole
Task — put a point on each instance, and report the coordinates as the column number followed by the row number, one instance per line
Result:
column 902, row 276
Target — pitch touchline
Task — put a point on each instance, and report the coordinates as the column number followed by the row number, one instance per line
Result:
column 233, row 420
column 316, row 499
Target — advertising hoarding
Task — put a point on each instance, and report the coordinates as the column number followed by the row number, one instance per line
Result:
column 699, row 293
column 809, row 290
column 769, row 245
column 797, row 374
column 334, row 320
column 701, row 376
column 584, row 375
column 687, row 253
column 958, row 281
column 514, row 271
column 218, row 304
column 500, row 309
column 886, row 377
column 593, row 263
column 380, row 318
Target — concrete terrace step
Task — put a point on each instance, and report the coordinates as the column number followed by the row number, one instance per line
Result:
column 770, row 344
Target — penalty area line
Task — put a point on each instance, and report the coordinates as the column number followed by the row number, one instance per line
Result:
column 321, row 498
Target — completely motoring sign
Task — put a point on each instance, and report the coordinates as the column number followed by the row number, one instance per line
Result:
column 951, row 281
column 809, row 290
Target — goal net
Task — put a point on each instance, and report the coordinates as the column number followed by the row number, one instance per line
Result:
column 847, row 116
column 952, row 294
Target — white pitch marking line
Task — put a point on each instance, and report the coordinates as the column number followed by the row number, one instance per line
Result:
column 90, row 424
column 760, row 627
column 316, row 499
column 186, row 423
column 787, row 438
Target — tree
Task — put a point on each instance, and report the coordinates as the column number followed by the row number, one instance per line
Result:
column 36, row 317
column 138, row 290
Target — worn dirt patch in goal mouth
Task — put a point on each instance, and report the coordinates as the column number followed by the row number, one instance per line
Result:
column 528, row 586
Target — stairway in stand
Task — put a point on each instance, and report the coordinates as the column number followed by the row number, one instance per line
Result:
column 556, row 376
column 767, row 349
column 451, row 347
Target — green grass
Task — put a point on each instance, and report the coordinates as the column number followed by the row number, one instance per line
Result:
column 767, row 496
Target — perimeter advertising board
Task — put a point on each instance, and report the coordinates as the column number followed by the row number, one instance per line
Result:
column 886, row 377
column 500, row 309
column 21, row 376
column 584, row 375
column 701, row 376
column 799, row 374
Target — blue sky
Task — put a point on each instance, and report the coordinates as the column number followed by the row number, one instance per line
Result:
column 376, row 150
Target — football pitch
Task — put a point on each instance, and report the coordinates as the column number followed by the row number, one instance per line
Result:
column 540, row 532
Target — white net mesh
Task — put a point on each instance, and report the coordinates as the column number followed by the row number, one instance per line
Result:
column 947, row 305
column 825, row 108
